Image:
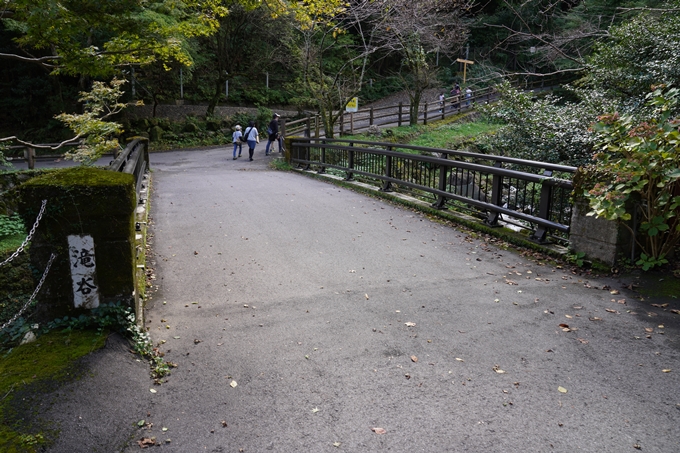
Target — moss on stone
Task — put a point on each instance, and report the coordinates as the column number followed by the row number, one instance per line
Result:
column 44, row 361
column 82, row 201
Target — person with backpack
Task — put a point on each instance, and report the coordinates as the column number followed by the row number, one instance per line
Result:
column 251, row 137
column 273, row 133
column 236, row 140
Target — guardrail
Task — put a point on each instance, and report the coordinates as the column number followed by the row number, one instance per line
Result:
column 398, row 114
column 133, row 160
column 496, row 188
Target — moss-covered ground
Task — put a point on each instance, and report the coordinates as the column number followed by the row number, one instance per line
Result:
column 39, row 365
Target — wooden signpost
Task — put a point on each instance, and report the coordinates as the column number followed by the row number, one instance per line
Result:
column 465, row 63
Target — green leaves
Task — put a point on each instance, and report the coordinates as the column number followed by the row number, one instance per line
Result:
column 639, row 172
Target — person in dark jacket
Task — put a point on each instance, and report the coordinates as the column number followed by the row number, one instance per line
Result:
column 273, row 133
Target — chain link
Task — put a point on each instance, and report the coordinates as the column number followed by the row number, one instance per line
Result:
column 30, row 235
column 30, row 299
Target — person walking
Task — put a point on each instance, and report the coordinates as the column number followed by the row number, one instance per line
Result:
column 441, row 101
column 273, row 133
column 252, row 138
column 236, row 140
column 468, row 96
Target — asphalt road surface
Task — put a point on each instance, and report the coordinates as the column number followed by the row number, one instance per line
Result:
column 304, row 317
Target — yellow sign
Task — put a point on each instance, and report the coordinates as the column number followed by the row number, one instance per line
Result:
column 352, row 105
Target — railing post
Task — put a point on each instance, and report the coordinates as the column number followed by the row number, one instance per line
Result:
column 29, row 155
column 387, row 185
column 370, row 118
column 496, row 197
column 443, row 106
column 350, row 164
column 401, row 106
column 322, row 168
column 342, row 124
column 351, row 123
column 317, row 126
column 308, row 127
column 544, row 209
column 425, row 115
column 441, row 200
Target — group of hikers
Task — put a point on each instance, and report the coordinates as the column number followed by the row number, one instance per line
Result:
column 252, row 137
column 456, row 97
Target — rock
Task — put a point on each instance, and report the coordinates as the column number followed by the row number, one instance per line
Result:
column 29, row 337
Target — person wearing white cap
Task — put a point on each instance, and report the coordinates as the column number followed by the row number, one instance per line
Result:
column 236, row 140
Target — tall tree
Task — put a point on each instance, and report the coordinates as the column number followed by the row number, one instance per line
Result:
column 332, row 49
column 417, row 30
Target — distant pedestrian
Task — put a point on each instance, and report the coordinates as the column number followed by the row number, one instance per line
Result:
column 273, row 133
column 468, row 96
column 441, row 101
column 252, row 138
column 455, row 97
column 236, row 140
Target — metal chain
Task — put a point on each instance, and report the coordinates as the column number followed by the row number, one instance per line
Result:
column 28, row 238
column 30, row 299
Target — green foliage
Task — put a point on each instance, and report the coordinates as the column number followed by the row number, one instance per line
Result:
column 11, row 225
column 95, row 38
column 97, row 134
column 544, row 129
column 639, row 53
column 638, row 164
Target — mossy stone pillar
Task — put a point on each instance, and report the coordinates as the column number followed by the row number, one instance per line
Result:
column 82, row 203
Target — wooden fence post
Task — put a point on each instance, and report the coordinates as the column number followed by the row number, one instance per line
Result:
column 29, row 155
column 401, row 106
column 425, row 115
column 370, row 118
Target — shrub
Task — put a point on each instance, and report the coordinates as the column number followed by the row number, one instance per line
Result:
column 639, row 162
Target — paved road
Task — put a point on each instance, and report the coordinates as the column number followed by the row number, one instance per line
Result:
column 309, row 318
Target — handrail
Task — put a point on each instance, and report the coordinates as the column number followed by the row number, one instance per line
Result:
column 449, row 152
column 133, row 160
column 538, row 199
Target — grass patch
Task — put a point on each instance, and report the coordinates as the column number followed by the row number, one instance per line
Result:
column 11, row 243
column 453, row 135
column 44, row 361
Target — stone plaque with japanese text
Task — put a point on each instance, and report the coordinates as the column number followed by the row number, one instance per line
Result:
column 83, row 271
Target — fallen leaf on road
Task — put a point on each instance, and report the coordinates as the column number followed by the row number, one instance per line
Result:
column 583, row 341
column 614, row 291
column 337, row 444
column 649, row 329
column 152, row 390
column 610, row 310
column 677, row 312
column 667, row 370
column 497, row 369
column 366, row 296
column 379, row 430
column 233, row 384
column 595, row 318
column 459, row 359
column 414, row 358
column 146, row 442
column 224, row 423
column 315, row 410
column 569, row 316
column 561, row 390
column 410, row 324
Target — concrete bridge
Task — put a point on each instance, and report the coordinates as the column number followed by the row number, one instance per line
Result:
column 304, row 317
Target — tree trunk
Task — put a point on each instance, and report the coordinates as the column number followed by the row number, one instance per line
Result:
column 215, row 99
column 414, row 108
